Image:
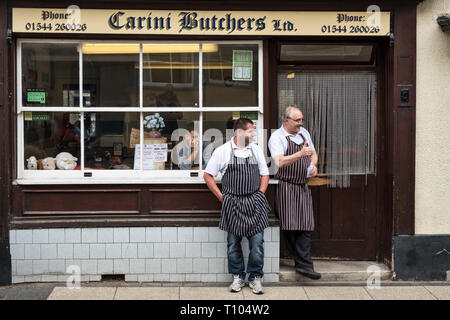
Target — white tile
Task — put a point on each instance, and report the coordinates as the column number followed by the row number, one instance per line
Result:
column 153, row 234
column 57, row 266
column 209, row 250
column 24, row 267
column 65, row 251
column 200, row 265
column 121, row 235
column 131, row 278
column 193, row 250
column 169, row 234
column 272, row 249
column 169, row 265
column 72, row 235
column 97, row 251
column 275, row 234
column 13, row 267
column 88, row 267
column 12, row 236
column 105, row 235
column 222, row 249
column 184, row 265
column 177, row 250
column 267, row 265
column 216, row 265
column 275, row 265
column 137, row 234
column 56, row 236
column 17, row 251
column 209, row 278
column 271, row 277
column 267, row 234
column 40, row 236
column 73, row 266
column 24, row 236
column 48, row 251
column 193, row 277
column 137, row 266
column 33, row 278
column 121, row 266
column 89, row 235
column 201, row 234
column 145, row 277
column 161, row 250
column 95, row 277
column 176, row 278
column 161, row 277
column 18, row 279
column 216, row 235
column 105, row 266
column 129, row 250
column 153, row 265
column 113, row 251
column 185, row 234
column 32, row 251
column 225, row 277
column 40, row 266
column 81, row 251
column 145, row 250
column 49, row 278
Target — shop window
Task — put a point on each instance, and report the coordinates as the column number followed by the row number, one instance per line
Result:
column 339, row 113
column 133, row 110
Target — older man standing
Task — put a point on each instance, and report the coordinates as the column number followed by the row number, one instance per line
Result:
column 292, row 149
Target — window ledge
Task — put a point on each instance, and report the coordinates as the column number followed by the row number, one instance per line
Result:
column 89, row 181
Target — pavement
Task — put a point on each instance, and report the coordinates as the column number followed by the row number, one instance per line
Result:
column 319, row 290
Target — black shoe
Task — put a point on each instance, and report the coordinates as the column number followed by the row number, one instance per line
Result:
column 309, row 273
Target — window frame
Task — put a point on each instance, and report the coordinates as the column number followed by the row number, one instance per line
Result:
column 123, row 176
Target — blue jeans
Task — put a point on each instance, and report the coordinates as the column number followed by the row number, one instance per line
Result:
column 255, row 258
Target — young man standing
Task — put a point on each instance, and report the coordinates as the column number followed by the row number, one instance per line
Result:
column 245, row 209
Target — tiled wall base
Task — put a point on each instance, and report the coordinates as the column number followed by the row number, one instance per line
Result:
column 154, row 254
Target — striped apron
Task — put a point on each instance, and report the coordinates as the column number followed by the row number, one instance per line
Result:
column 294, row 201
column 244, row 207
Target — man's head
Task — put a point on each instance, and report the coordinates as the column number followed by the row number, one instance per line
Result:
column 292, row 119
column 244, row 130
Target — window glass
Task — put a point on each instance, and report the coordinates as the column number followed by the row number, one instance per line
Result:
column 170, row 74
column 49, row 134
column 230, row 76
column 50, row 74
column 111, row 74
column 334, row 53
column 110, row 139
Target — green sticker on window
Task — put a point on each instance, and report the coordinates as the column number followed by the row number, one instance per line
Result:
column 242, row 65
column 36, row 96
column 33, row 116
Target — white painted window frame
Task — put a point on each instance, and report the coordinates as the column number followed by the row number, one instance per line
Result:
column 43, row 177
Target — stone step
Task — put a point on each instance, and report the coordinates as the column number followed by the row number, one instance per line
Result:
column 335, row 270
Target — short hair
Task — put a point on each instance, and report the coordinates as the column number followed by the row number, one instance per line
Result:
column 242, row 123
column 288, row 111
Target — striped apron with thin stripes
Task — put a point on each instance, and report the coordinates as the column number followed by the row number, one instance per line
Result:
column 244, row 207
column 294, row 201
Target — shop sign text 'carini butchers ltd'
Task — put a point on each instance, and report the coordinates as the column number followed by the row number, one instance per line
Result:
column 188, row 22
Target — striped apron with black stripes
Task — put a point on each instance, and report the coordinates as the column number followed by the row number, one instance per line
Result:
column 294, row 201
column 244, row 207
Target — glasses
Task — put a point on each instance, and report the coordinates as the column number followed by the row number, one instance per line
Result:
column 299, row 120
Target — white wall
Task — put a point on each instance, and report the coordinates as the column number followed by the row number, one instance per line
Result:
column 432, row 194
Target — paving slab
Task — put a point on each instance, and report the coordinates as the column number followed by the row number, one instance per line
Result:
column 84, row 293
column 440, row 292
column 205, row 293
column 401, row 293
column 337, row 293
column 276, row 293
column 147, row 293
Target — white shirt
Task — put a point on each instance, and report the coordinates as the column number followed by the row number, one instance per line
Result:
column 278, row 143
column 221, row 157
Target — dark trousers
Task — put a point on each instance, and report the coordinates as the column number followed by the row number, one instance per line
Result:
column 299, row 243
